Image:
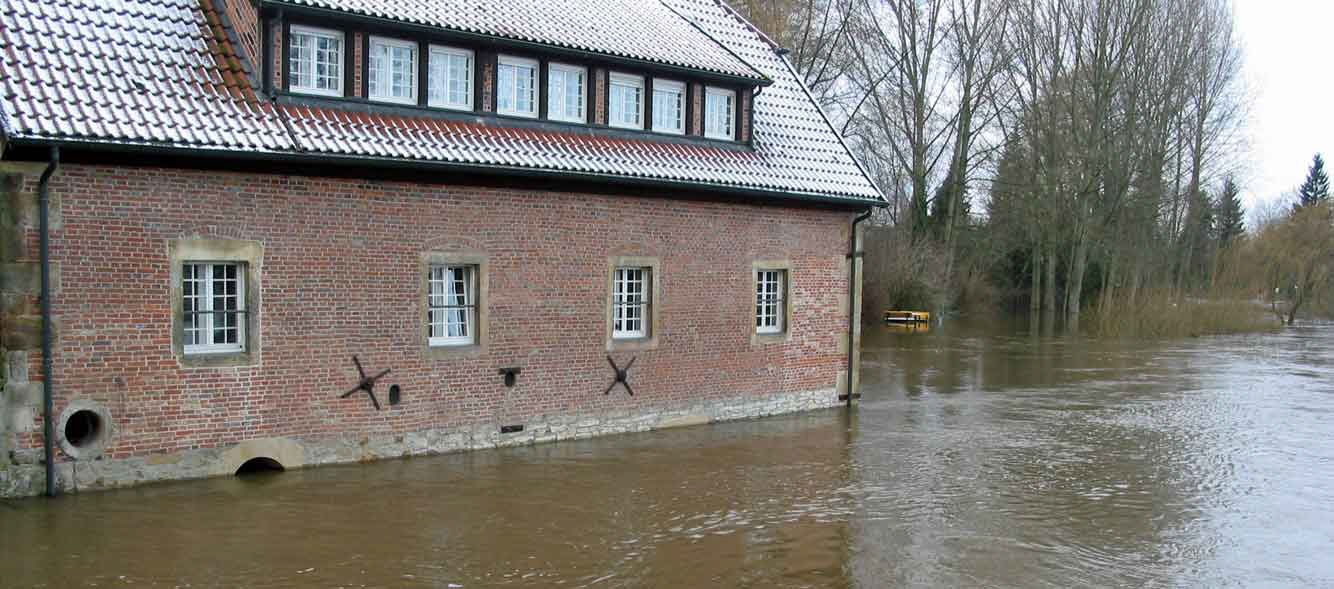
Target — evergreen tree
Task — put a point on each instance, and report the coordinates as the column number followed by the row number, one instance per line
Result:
column 1231, row 217
column 1316, row 187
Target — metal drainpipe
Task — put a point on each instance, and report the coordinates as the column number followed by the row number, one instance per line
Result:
column 853, row 255
column 48, row 402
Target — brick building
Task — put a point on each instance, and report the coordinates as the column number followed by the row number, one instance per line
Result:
column 494, row 202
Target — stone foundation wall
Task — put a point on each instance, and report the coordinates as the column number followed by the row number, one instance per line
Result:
column 20, row 317
column 27, row 480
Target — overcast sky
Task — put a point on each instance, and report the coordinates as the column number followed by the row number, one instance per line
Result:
column 1289, row 48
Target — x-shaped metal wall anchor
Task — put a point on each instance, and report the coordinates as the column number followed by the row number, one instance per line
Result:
column 367, row 384
column 622, row 374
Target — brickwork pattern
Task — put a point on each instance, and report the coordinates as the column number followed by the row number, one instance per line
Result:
column 488, row 83
column 744, row 104
column 697, row 109
column 357, row 64
column 600, row 96
column 277, row 35
column 341, row 276
column 244, row 21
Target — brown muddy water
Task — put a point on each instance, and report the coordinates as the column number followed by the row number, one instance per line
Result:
column 978, row 458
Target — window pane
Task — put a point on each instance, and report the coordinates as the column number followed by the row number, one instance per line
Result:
column 629, row 302
column 392, row 70
column 299, row 68
column 668, row 106
column 769, row 309
column 626, row 100
column 565, row 93
column 524, row 89
column 315, row 61
column 190, row 304
column 516, row 87
column 452, row 305
column 505, row 96
column 719, row 111
column 450, row 78
column 213, row 303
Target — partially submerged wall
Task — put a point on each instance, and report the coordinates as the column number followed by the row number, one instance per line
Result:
column 338, row 267
column 20, row 328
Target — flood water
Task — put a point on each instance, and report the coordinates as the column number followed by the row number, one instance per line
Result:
column 979, row 457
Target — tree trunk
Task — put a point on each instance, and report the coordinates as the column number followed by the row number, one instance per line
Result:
column 1049, row 292
column 1035, row 297
column 1105, row 300
column 1075, row 284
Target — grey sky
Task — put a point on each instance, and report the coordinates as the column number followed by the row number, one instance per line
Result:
column 1289, row 50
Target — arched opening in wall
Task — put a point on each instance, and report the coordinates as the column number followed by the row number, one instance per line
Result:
column 259, row 465
column 83, row 429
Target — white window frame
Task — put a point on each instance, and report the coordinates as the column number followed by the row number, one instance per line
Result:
column 204, row 312
column 770, row 300
column 316, row 32
column 615, row 108
column 444, row 53
column 565, row 69
column 444, row 300
column 670, row 87
column 370, row 73
column 504, row 61
column 710, row 131
column 624, row 300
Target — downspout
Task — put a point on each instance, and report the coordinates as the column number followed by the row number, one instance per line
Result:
column 48, row 401
column 853, row 255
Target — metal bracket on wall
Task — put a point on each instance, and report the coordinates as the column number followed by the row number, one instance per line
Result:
column 510, row 374
column 367, row 384
column 622, row 376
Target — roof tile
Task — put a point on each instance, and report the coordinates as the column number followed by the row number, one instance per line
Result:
column 156, row 72
column 638, row 29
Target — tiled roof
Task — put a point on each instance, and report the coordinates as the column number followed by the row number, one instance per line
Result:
column 139, row 70
column 160, row 73
column 637, row 29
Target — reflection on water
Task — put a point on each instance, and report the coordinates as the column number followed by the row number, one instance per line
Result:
column 979, row 457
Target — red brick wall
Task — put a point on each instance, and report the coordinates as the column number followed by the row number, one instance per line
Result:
column 599, row 96
column 244, row 20
column 744, row 99
column 488, row 82
column 357, row 60
column 341, row 276
column 278, row 67
column 697, row 109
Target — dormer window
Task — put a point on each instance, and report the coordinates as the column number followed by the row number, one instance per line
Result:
column 315, row 61
column 627, row 101
column 449, row 81
column 517, row 84
column 669, row 106
column 393, row 70
column 565, row 93
column 325, row 56
column 719, row 113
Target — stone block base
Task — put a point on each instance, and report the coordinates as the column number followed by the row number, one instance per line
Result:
column 19, row 480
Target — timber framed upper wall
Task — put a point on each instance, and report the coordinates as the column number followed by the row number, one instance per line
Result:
column 179, row 77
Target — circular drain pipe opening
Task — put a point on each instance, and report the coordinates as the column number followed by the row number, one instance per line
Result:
column 260, row 465
column 85, row 429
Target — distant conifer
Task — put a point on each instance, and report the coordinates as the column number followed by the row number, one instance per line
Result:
column 1316, row 187
column 1231, row 223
